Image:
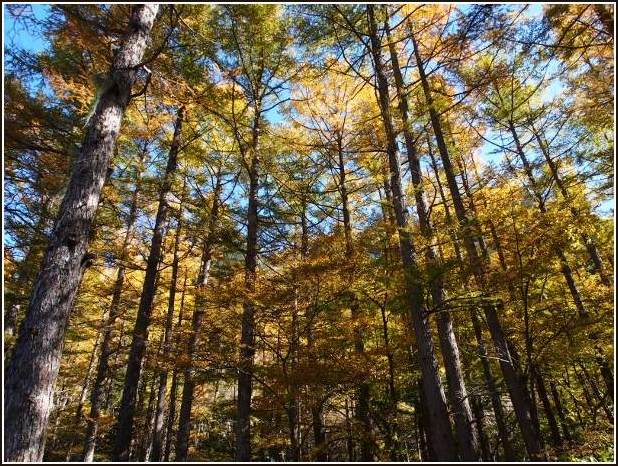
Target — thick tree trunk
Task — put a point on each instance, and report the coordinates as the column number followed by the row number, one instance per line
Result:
column 437, row 412
column 184, row 420
column 158, row 434
column 458, row 396
column 124, row 429
column 479, row 414
column 496, row 402
column 517, row 392
column 247, row 338
column 35, row 362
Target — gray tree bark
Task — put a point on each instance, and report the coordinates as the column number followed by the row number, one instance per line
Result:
column 35, row 362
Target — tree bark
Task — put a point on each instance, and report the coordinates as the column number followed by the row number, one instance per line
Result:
column 124, row 429
column 549, row 412
column 247, row 338
column 96, row 397
column 517, row 393
column 558, row 404
column 158, row 434
column 458, row 396
column 587, row 240
column 565, row 268
column 171, row 412
column 437, row 412
column 184, row 420
column 35, row 362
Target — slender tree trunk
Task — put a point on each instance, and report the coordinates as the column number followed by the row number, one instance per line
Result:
column 596, row 392
column 558, row 404
column 565, row 268
column 479, row 414
column 247, row 338
column 587, row 240
column 157, row 443
column 184, row 420
column 519, row 399
column 96, row 398
column 171, row 412
column 549, row 413
column 437, row 412
column 140, row 331
column 458, row 396
column 348, row 426
column 36, row 356
column 496, row 402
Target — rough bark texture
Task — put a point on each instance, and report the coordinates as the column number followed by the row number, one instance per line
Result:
column 35, row 362
column 441, row 435
column 140, row 330
column 458, row 396
column 512, row 378
column 184, row 420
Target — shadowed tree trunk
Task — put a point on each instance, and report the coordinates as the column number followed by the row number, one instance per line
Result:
column 184, row 420
column 458, row 396
column 171, row 412
column 565, row 268
column 158, row 434
column 549, row 412
column 247, row 337
column 558, row 404
column 512, row 378
column 587, row 240
column 96, row 397
column 140, row 331
column 437, row 413
column 34, row 365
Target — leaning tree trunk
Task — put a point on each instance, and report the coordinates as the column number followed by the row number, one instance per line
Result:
column 496, row 402
column 36, row 357
column 512, row 378
column 96, row 396
column 247, row 337
column 158, row 432
column 458, row 395
column 587, row 240
column 140, row 330
column 565, row 268
column 437, row 413
column 184, row 421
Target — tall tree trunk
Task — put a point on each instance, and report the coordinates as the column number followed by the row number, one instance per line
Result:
column 158, row 434
column 549, row 412
column 247, row 338
column 561, row 415
column 124, row 429
column 513, row 381
column 496, row 402
column 171, row 412
column 479, row 414
column 36, row 356
column 565, row 268
column 437, row 412
column 96, row 397
column 458, row 395
column 184, row 420
column 587, row 240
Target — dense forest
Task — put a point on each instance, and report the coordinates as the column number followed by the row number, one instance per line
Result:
column 308, row 232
